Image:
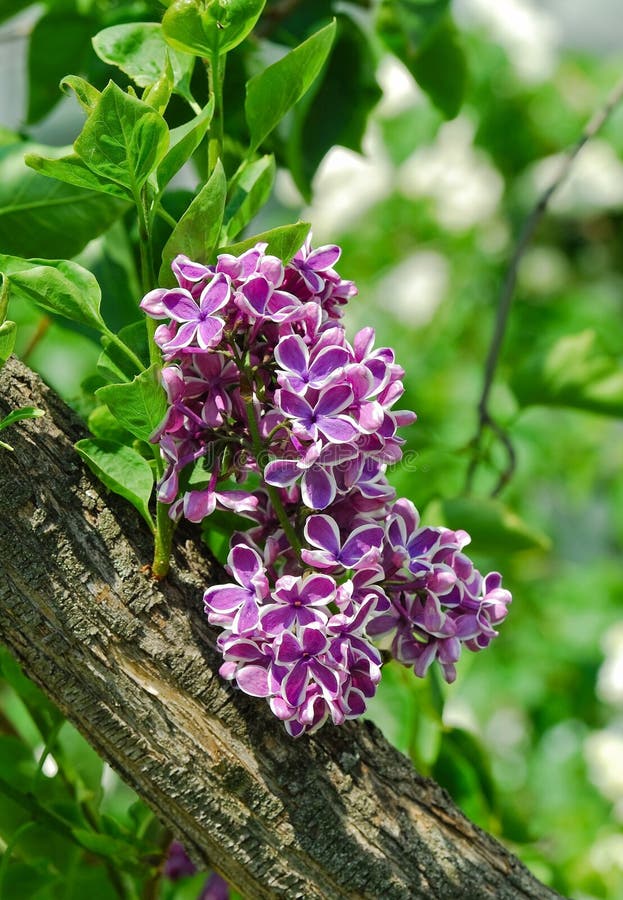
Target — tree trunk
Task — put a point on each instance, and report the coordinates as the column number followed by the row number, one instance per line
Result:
column 132, row 664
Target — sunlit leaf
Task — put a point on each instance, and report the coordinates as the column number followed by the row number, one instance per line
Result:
column 184, row 141
column 122, row 470
column 140, row 50
column 283, row 242
column 123, row 139
column 63, row 288
column 271, row 93
column 248, row 192
column 140, row 405
column 197, row 232
column 43, row 217
column 211, row 27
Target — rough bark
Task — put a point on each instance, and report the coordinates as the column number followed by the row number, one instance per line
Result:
column 132, row 664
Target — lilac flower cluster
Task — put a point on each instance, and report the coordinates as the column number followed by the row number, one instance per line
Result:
column 275, row 415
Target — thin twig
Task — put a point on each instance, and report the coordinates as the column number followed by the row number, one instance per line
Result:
column 506, row 296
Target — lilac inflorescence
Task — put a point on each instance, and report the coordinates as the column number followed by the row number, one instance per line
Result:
column 274, row 415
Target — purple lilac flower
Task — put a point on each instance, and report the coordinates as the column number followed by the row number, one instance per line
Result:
column 262, row 383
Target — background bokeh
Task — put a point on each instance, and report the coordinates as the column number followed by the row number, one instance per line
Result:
column 529, row 740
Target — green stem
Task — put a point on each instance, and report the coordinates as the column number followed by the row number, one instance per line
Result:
column 168, row 218
column 163, row 540
column 216, row 71
column 273, row 493
column 131, row 355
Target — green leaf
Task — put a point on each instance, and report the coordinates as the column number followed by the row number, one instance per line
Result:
column 441, row 69
column 184, row 140
column 72, row 170
column 26, row 412
column 405, row 26
column 215, row 26
column 271, row 93
column 113, row 363
column 140, row 50
column 44, row 217
column 494, row 527
column 86, row 95
column 64, row 288
column 50, row 56
column 197, row 232
column 102, row 424
column 120, row 852
column 336, row 109
column 248, row 192
column 424, row 38
column 8, row 331
column 158, row 94
column 122, row 470
column 283, row 242
column 575, row 372
column 123, row 139
column 140, row 405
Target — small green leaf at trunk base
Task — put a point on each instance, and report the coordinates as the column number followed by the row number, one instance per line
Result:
column 8, row 331
column 197, row 232
column 140, row 405
column 26, row 412
column 122, row 470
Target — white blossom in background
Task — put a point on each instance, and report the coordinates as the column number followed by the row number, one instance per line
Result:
column 400, row 92
column 347, row 185
column 415, row 287
column 595, row 182
column 610, row 678
column 603, row 751
column 529, row 34
column 458, row 177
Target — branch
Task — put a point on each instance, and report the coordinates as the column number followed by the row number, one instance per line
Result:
column 132, row 664
column 505, row 299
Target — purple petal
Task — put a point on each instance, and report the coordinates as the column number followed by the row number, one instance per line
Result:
column 287, row 648
column 247, row 617
column 183, row 338
column 326, row 363
column 324, row 257
column 180, row 305
column 325, row 677
column 359, row 544
column 281, row 472
column 313, row 639
column 253, row 680
column 295, row 683
column 292, row 354
column 322, row 531
column 318, row 488
column 215, row 295
column 245, row 564
column 223, row 598
column 294, row 406
column 256, row 292
column 333, row 400
column 152, row 304
column 337, row 429
column 209, row 332
column 317, row 590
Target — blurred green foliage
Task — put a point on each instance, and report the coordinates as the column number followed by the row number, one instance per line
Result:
column 427, row 234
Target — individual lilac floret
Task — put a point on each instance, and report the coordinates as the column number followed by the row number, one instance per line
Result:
column 237, row 605
column 360, row 549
